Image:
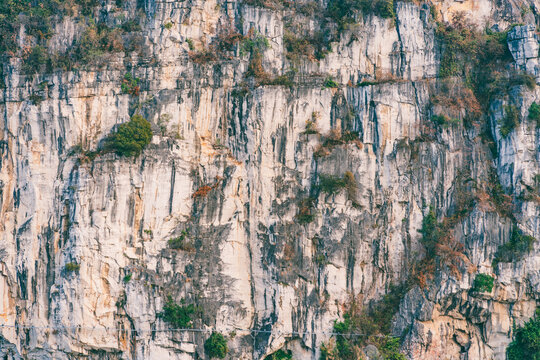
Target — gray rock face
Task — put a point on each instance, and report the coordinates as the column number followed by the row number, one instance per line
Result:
column 259, row 275
column 523, row 43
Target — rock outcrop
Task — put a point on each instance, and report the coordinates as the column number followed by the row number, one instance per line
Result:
column 231, row 167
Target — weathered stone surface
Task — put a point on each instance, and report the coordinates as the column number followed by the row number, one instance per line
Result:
column 254, row 266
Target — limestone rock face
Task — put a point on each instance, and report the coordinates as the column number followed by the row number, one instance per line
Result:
column 229, row 172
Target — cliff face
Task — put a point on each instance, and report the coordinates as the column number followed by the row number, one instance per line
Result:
column 233, row 173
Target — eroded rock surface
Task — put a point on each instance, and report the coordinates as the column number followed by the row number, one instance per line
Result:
column 253, row 265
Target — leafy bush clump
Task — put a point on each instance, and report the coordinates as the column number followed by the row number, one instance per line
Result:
column 254, row 42
column 444, row 120
column 131, row 26
column 180, row 316
column 483, row 283
column 526, row 342
column 72, row 267
column 342, row 11
column 131, row 138
column 431, row 233
column 130, row 85
column 519, row 245
column 37, row 58
column 510, row 121
column 216, row 346
column 534, row 113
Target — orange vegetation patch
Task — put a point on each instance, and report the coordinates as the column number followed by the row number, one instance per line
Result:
column 205, row 189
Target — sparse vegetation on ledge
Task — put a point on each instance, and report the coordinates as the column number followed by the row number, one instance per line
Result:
column 181, row 242
column 131, row 138
column 519, row 245
column 179, row 316
column 373, row 321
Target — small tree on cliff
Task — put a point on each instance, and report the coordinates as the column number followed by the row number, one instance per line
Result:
column 131, row 138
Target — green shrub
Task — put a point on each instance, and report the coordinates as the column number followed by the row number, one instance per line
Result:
column 127, row 278
column 37, row 58
column 180, row 316
column 439, row 119
column 180, row 242
column 534, row 113
column 131, row 138
column 510, row 121
column 526, row 341
column 280, row 355
column 168, row 26
column 254, row 43
column 343, row 11
column 330, row 83
column 390, row 349
column 519, row 245
column 483, row 283
column 216, row 346
column 444, row 120
column 431, row 233
column 72, row 267
column 466, row 48
column 130, row 85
